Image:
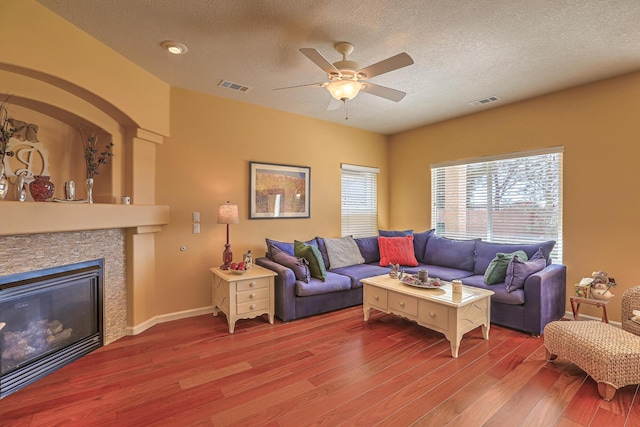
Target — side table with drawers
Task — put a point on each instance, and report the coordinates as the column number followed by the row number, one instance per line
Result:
column 243, row 296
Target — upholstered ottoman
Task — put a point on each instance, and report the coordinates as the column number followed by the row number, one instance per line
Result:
column 610, row 355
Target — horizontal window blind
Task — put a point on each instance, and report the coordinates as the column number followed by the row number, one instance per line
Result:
column 359, row 201
column 508, row 199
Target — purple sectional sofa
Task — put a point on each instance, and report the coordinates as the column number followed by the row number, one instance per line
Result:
column 536, row 300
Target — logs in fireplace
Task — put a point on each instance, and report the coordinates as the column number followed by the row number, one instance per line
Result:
column 48, row 318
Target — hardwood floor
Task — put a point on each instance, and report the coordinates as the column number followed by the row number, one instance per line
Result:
column 334, row 369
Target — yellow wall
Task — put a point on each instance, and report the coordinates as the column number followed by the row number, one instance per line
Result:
column 205, row 162
column 599, row 127
column 53, row 51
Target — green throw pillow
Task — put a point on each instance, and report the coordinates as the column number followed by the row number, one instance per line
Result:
column 497, row 270
column 313, row 255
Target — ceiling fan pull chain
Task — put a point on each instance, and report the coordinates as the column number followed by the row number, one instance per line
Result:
column 346, row 112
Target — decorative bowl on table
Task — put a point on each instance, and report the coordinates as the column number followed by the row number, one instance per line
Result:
column 238, row 271
column 413, row 280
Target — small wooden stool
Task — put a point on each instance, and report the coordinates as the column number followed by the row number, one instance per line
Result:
column 576, row 301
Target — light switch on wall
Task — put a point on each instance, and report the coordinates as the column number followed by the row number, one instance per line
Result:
column 196, row 228
column 196, row 216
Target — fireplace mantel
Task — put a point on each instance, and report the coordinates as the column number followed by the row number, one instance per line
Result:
column 51, row 217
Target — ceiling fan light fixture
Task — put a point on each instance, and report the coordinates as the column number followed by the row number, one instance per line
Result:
column 174, row 47
column 344, row 90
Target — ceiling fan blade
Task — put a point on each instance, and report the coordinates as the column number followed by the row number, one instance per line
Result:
column 382, row 91
column 323, row 84
column 317, row 58
column 389, row 64
column 334, row 104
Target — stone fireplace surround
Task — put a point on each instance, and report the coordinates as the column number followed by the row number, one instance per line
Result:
column 23, row 253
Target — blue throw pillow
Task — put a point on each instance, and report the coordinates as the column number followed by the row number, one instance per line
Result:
column 395, row 233
column 369, row 248
column 518, row 270
column 323, row 251
column 420, row 243
column 452, row 253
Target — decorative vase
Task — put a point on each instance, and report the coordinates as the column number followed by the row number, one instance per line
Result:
column 41, row 188
column 4, row 187
column 89, row 184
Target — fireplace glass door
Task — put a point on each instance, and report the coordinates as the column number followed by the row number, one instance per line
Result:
column 47, row 321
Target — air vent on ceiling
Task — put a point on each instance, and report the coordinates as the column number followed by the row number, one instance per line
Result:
column 485, row 101
column 233, row 86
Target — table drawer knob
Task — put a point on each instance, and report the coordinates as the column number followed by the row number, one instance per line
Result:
column 401, row 303
column 252, row 284
column 252, row 307
column 376, row 297
column 432, row 314
column 252, row 296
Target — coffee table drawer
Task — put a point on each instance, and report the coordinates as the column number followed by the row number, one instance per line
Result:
column 403, row 303
column 377, row 297
column 434, row 314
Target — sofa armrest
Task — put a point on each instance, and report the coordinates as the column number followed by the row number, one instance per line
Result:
column 284, row 288
column 545, row 297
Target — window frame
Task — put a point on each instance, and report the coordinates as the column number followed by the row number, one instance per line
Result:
column 531, row 208
column 349, row 225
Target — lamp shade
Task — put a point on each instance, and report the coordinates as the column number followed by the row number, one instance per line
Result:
column 228, row 214
column 344, row 89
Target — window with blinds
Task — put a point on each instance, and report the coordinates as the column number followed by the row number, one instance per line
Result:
column 359, row 201
column 503, row 199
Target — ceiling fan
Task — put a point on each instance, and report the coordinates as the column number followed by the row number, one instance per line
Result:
column 347, row 79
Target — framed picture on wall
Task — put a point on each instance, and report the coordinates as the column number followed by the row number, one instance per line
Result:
column 278, row 191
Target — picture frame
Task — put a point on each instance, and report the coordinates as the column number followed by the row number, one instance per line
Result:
column 279, row 191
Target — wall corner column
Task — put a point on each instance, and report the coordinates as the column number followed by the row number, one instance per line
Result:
column 140, row 185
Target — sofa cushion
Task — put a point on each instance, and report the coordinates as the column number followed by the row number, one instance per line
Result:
column 395, row 233
column 420, row 243
column 369, row 248
column 343, row 252
column 500, row 292
column 284, row 246
column 519, row 269
column 323, row 252
column 486, row 251
column 361, row 271
column 299, row 266
column 453, row 253
column 311, row 254
column 497, row 270
column 397, row 250
column 333, row 283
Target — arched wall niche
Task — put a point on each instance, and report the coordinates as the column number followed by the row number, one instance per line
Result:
column 61, row 109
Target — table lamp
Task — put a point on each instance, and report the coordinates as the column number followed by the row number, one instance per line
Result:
column 227, row 214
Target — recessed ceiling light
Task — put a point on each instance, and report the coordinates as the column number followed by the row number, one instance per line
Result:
column 176, row 48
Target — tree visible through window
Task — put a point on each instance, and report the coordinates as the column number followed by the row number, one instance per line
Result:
column 359, row 201
column 500, row 199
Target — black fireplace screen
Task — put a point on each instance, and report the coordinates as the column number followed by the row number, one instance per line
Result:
column 48, row 318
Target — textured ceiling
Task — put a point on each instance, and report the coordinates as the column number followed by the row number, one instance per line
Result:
column 464, row 50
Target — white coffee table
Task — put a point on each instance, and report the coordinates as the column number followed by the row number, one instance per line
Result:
column 436, row 309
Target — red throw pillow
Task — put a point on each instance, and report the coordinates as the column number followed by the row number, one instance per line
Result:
column 397, row 250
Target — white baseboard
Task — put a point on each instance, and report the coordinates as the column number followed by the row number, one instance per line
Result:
column 135, row 330
column 569, row 315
